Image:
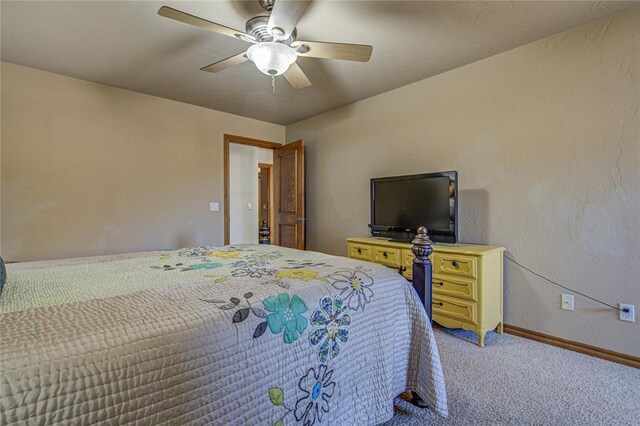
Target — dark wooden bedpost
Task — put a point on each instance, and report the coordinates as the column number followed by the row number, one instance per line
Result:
column 264, row 233
column 422, row 268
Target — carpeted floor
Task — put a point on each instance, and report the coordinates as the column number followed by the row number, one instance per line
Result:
column 515, row 381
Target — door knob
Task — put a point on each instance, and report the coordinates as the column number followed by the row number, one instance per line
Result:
column 300, row 219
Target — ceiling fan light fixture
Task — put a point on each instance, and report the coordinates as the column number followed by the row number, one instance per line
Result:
column 272, row 58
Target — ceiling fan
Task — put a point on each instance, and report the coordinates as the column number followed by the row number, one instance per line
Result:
column 275, row 47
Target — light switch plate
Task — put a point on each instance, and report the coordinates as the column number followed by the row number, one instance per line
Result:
column 567, row 302
column 214, row 207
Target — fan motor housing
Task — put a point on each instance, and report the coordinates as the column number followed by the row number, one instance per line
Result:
column 257, row 27
column 267, row 4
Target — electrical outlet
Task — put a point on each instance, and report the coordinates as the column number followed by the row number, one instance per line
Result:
column 567, row 302
column 630, row 315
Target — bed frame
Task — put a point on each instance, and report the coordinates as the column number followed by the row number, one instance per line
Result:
column 422, row 268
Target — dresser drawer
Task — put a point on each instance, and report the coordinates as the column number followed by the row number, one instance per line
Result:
column 386, row 255
column 455, row 264
column 464, row 288
column 359, row 251
column 461, row 310
column 407, row 262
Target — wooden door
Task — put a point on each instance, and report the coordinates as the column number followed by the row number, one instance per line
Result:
column 288, row 173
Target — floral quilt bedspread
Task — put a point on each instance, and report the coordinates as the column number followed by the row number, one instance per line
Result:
column 231, row 335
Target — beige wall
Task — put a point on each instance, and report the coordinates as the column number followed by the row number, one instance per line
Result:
column 89, row 169
column 546, row 140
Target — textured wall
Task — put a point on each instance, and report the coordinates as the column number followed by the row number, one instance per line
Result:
column 546, row 140
column 89, row 169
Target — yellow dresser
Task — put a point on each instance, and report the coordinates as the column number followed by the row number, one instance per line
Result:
column 467, row 280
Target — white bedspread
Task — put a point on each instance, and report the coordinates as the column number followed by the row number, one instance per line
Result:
column 241, row 335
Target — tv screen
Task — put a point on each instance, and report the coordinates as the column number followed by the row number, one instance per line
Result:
column 401, row 204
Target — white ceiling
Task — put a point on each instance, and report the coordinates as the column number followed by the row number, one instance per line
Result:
column 126, row 44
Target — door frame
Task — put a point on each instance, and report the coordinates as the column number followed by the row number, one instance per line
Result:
column 265, row 166
column 240, row 140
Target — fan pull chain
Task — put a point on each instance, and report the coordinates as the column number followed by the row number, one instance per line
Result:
column 273, row 84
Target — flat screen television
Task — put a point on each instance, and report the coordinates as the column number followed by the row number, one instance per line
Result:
column 401, row 204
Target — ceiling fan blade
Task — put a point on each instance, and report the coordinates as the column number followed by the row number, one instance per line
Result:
column 321, row 49
column 285, row 16
column 176, row 15
column 226, row 63
column 296, row 77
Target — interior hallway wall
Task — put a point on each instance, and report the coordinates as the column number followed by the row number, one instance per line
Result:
column 243, row 191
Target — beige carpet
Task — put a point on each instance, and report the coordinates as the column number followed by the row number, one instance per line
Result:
column 515, row 381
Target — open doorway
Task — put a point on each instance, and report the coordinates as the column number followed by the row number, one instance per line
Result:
column 243, row 198
column 263, row 180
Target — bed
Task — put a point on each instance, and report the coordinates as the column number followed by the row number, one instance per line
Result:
column 247, row 334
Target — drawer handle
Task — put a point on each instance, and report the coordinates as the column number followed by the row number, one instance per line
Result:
column 359, row 251
column 437, row 303
column 384, row 254
column 454, row 264
column 438, row 284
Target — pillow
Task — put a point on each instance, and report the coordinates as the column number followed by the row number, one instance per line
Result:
column 3, row 274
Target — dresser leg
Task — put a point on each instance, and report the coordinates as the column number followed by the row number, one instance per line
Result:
column 500, row 328
column 481, row 338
